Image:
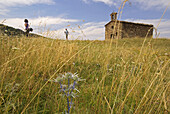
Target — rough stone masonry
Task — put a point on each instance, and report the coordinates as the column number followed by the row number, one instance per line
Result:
column 123, row 29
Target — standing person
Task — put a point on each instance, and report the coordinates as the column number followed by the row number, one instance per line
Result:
column 27, row 27
column 66, row 32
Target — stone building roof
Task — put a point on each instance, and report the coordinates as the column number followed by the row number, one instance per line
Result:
column 129, row 23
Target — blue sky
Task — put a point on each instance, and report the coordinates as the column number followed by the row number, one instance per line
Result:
column 85, row 19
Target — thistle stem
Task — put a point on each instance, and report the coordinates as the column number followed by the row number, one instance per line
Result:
column 68, row 105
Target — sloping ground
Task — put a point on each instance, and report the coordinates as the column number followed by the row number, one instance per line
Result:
column 126, row 76
column 10, row 31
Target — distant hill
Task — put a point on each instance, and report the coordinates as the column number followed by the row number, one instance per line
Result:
column 13, row 32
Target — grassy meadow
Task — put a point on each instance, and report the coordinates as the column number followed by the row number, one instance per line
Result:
column 121, row 76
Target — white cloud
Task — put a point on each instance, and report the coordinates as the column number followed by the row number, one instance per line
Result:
column 38, row 23
column 6, row 4
column 94, row 31
column 51, row 21
column 24, row 2
column 3, row 11
column 108, row 2
column 86, row 1
column 145, row 4
column 86, row 31
column 149, row 4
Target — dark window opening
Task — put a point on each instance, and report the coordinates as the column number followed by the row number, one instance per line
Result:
column 111, row 36
column 112, row 27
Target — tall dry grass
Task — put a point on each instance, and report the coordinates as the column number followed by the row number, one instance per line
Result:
column 126, row 79
column 122, row 76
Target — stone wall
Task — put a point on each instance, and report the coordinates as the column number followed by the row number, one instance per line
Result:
column 113, row 30
column 131, row 30
column 125, row 29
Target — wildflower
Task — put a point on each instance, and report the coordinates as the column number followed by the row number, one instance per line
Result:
column 69, row 90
